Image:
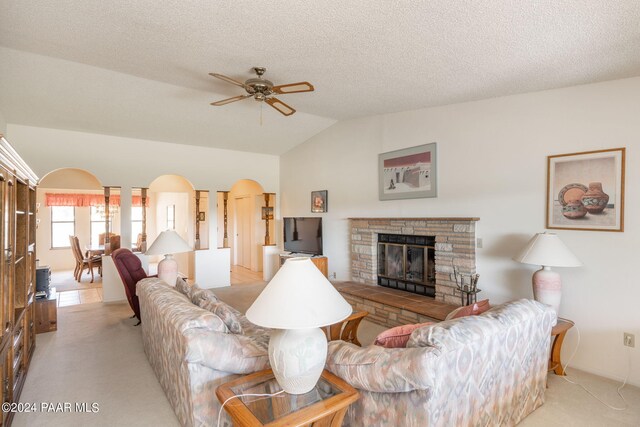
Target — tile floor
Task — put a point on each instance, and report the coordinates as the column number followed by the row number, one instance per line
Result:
column 71, row 292
column 83, row 296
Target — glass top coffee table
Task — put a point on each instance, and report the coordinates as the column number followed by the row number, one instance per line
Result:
column 327, row 401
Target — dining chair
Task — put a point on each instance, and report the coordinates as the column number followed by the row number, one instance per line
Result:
column 102, row 236
column 82, row 262
column 114, row 241
column 138, row 247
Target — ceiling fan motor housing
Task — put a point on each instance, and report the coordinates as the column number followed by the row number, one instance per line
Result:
column 257, row 86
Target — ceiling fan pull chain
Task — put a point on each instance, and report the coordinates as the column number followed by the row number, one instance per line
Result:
column 261, row 104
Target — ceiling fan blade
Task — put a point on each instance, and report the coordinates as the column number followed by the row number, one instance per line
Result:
column 280, row 106
column 227, row 79
column 230, row 100
column 293, row 88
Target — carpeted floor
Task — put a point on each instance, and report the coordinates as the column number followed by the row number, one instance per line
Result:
column 97, row 356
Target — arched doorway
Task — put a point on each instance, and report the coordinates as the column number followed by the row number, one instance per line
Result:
column 246, row 228
column 68, row 204
column 172, row 206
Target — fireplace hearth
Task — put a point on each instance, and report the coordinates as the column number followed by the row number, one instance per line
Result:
column 407, row 263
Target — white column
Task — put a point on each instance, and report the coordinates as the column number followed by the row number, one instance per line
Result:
column 125, row 217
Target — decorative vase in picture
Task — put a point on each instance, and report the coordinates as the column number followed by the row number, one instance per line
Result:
column 574, row 209
column 595, row 200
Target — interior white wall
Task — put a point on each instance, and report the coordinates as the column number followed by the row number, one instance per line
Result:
column 133, row 163
column 3, row 125
column 492, row 164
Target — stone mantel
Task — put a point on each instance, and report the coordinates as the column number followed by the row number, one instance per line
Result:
column 455, row 246
column 453, row 219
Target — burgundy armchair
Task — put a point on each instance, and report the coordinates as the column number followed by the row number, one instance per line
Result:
column 131, row 272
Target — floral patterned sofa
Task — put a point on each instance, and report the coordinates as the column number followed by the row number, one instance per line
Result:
column 486, row 370
column 192, row 350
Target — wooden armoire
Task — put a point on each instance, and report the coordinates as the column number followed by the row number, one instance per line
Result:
column 18, row 272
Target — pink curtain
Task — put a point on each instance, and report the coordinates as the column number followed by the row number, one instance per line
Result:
column 136, row 201
column 79, row 200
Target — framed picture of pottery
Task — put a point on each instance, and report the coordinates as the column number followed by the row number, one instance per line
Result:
column 585, row 191
column 409, row 173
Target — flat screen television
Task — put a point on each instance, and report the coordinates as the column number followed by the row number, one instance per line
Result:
column 303, row 235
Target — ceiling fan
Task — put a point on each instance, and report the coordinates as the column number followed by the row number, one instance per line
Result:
column 262, row 90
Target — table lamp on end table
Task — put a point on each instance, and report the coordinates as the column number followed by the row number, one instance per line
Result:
column 168, row 243
column 547, row 250
column 297, row 302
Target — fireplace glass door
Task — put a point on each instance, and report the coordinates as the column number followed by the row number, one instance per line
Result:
column 391, row 261
column 414, row 270
column 407, row 263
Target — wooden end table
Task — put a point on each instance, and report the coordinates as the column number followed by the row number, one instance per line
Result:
column 557, row 334
column 327, row 402
column 347, row 330
column 46, row 310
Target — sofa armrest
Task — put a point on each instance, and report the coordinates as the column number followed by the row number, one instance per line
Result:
column 378, row 369
column 236, row 354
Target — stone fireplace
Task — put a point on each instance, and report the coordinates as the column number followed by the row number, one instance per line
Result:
column 413, row 254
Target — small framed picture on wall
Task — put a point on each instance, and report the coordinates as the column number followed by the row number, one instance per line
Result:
column 319, row 201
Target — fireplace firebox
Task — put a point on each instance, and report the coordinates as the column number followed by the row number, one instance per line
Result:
column 407, row 262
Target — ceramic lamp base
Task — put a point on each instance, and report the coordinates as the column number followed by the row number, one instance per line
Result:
column 547, row 287
column 168, row 270
column 297, row 358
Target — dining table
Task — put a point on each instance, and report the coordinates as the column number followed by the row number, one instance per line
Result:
column 94, row 250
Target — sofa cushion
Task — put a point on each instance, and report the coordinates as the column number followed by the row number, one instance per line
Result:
column 235, row 354
column 203, row 294
column 185, row 288
column 225, row 313
column 397, row 337
column 469, row 310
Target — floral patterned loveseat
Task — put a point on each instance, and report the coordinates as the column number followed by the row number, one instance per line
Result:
column 192, row 350
column 486, row 370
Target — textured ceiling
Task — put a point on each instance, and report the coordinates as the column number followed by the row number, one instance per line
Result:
column 364, row 57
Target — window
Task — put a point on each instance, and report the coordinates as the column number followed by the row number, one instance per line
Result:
column 62, row 226
column 136, row 222
column 97, row 224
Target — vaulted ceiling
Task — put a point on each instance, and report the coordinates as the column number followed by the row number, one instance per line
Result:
column 139, row 68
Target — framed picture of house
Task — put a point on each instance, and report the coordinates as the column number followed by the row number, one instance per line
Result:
column 319, row 201
column 585, row 191
column 410, row 173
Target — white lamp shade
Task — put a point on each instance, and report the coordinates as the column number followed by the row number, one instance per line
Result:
column 298, row 297
column 548, row 250
column 168, row 242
